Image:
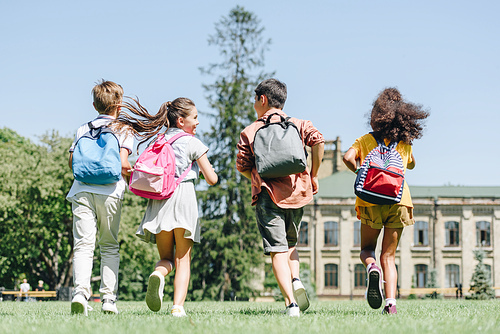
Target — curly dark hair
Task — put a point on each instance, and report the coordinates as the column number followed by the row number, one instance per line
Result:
column 396, row 119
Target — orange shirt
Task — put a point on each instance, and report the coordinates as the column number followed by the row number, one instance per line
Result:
column 363, row 145
column 293, row 191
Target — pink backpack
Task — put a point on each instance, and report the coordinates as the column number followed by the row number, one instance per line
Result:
column 154, row 171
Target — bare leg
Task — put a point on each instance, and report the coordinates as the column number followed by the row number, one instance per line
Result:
column 369, row 238
column 293, row 262
column 388, row 259
column 282, row 273
column 183, row 249
column 165, row 245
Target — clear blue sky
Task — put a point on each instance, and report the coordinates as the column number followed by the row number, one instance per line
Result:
column 335, row 57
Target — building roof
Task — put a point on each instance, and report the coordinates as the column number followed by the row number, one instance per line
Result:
column 341, row 185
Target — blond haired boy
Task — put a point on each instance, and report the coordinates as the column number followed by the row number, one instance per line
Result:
column 97, row 209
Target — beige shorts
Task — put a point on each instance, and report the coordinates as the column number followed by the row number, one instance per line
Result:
column 393, row 216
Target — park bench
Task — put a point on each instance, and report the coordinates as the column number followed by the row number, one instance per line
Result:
column 39, row 294
column 427, row 291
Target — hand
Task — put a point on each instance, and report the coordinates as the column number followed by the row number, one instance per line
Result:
column 315, row 184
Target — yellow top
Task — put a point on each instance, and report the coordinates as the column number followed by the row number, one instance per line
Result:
column 363, row 145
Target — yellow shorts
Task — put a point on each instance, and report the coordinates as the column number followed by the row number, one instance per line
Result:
column 393, row 216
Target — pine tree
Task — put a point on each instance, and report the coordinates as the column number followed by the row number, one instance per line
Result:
column 229, row 257
column 480, row 283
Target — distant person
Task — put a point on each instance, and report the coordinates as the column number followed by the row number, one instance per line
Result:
column 279, row 202
column 24, row 288
column 40, row 287
column 392, row 120
column 172, row 223
column 97, row 209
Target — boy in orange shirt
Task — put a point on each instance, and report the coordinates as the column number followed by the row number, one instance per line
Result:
column 279, row 201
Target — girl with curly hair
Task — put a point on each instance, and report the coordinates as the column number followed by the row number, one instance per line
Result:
column 394, row 120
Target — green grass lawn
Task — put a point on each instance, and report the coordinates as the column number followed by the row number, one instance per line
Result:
column 415, row 316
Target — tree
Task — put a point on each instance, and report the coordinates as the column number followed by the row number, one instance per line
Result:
column 35, row 218
column 480, row 283
column 229, row 257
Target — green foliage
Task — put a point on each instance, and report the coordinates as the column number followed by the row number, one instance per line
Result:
column 35, row 218
column 36, row 224
column 480, row 283
column 230, row 254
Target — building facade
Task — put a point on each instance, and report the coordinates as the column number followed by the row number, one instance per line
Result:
column 451, row 223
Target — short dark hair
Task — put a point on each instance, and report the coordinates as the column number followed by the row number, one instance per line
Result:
column 274, row 90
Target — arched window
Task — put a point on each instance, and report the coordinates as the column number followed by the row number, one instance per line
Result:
column 452, row 233
column 420, row 275
column 483, row 233
column 357, row 233
column 359, row 276
column 303, row 234
column 331, row 276
column 331, row 233
column 452, row 275
column 421, row 233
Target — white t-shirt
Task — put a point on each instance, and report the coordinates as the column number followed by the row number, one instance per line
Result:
column 25, row 287
column 117, row 189
column 187, row 150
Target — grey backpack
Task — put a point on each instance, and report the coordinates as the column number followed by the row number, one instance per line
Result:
column 278, row 149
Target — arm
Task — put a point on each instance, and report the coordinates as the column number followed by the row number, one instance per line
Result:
column 70, row 160
column 126, row 167
column 317, row 157
column 350, row 159
column 207, row 170
column 244, row 159
column 411, row 165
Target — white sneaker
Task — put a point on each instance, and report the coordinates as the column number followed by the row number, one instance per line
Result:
column 300, row 295
column 80, row 305
column 178, row 311
column 109, row 306
column 154, row 295
column 293, row 310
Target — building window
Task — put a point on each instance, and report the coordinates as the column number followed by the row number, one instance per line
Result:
column 451, row 233
column 483, row 233
column 421, row 233
column 331, row 276
column 331, row 234
column 452, row 275
column 357, row 233
column 359, row 276
column 303, row 235
column 420, row 275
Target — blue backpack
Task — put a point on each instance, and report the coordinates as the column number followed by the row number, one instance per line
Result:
column 96, row 156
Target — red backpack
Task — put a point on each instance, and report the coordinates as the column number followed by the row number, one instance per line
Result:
column 154, row 171
column 381, row 177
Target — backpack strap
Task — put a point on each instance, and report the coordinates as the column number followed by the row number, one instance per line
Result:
column 171, row 141
column 283, row 119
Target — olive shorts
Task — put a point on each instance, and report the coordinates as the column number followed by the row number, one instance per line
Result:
column 278, row 227
column 392, row 216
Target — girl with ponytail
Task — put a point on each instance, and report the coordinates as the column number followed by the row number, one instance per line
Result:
column 172, row 223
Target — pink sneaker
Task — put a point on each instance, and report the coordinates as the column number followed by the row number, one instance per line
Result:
column 389, row 309
column 374, row 289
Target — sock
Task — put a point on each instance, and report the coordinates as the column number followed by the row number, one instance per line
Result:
column 295, row 279
column 368, row 267
column 391, row 301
